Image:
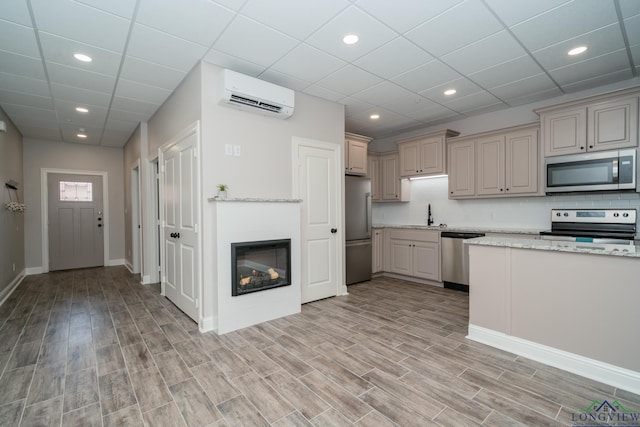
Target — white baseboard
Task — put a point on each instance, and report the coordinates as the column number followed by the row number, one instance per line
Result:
column 128, row 266
column 30, row 271
column 6, row 292
column 411, row 279
column 146, row 280
column 208, row 324
column 114, row 262
column 606, row 373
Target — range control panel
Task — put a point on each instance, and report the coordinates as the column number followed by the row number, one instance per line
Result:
column 594, row 216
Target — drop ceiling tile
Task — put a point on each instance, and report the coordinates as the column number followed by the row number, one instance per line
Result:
column 67, row 113
column 134, row 90
column 70, row 134
column 123, row 126
column 600, row 42
column 591, row 68
column 82, row 22
column 141, row 71
column 133, row 105
column 17, row 12
column 324, row 93
column 308, row 63
column 201, row 21
column 629, row 8
column 74, row 94
column 565, row 22
column 231, row 4
column 122, row 8
column 82, row 79
column 18, row 39
column 632, row 27
column 456, row 28
column 60, row 50
column 15, row 83
column 431, row 113
column 394, row 58
column 355, row 106
column 409, row 104
column 472, row 102
column 25, row 66
column 494, row 49
column 29, row 115
column 176, row 53
column 121, row 115
column 382, row 93
column 517, row 89
column 34, row 132
column 372, row 35
column 463, row 86
column 426, row 76
column 511, row 15
column 510, row 71
column 598, row 80
column 295, row 18
column 407, row 15
column 25, row 99
column 349, row 80
column 534, row 97
column 234, row 63
column 285, row 80
column 240, row 40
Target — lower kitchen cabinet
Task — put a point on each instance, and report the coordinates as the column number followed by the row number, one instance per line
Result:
column 377, row 263
column 414, row 253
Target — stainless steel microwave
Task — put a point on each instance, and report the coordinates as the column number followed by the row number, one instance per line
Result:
column 598, row 171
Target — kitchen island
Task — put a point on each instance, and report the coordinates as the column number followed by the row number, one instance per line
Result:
column 573, row 306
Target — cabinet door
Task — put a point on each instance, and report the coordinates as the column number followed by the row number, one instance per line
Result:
column 490, row 165
column 374, row 174
column 378, row 251
column 400, row 256
column 356, row 157
column 390, row 177
column 564, row 132
column 426, row 260
column 432, row 156
column 409, row 159
column 613, row 124
column 521, row 164
column 461, row 160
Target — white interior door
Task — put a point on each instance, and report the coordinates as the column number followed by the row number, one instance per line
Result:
column 75, row 221
column 180, row 218
column 320, row 192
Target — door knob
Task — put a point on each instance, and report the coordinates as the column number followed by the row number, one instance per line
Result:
column 334, row 230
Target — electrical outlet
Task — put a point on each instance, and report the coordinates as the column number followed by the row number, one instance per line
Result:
column 236, row 150
column 228, row 150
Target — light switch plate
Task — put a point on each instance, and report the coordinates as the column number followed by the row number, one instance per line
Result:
column 228, row 150
column 236, row 150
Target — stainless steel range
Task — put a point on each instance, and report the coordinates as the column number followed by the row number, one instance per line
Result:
column 604, row 226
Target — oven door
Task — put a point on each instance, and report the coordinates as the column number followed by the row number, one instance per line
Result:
column 601, row 171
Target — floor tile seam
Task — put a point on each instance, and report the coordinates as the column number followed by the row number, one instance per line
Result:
column 510, row 399
column 26, row 397
column 544, row 396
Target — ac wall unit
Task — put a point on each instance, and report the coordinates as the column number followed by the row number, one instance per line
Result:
column 256, row 96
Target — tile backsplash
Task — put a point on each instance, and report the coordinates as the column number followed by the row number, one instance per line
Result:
column 517, row 212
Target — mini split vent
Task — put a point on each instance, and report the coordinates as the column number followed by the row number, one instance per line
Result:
column 256, row 96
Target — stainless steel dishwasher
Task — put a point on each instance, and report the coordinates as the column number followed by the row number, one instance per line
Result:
column 455, row 259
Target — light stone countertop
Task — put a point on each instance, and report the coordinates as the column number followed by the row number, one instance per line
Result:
column 523, row 231
column 549, row 245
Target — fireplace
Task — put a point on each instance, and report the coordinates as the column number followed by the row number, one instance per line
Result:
column 258, row 266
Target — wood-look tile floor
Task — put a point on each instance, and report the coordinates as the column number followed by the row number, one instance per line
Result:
column 95, row 348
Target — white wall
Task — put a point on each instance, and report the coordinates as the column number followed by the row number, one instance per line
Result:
column 12, row 263
column 515, row 213
column 520, row 212
column 40, row 154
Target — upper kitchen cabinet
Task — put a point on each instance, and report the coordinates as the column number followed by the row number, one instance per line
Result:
column 355, row 152
column 373, row 173
column 386, row 185
column 461, row 158
column 424, row 155
column 604, row 122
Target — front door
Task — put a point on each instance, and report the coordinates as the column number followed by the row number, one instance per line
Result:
column 180, row 218
column 318, row 188
column 76, row 220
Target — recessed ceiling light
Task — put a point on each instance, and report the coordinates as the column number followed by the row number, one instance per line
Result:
column 577, row 50
column 374, row 116
column 82, row 110
column 81, row 135
column 350, row 39
column 82, row 57
column 450, row 92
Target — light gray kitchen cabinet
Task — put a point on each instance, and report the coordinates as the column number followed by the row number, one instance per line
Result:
column 414, row 253
column 424, row 155
column 392, row 188
column 378, row 250
column 355, row 147
column 603, row 122
column 462, row 176
column 373, row 173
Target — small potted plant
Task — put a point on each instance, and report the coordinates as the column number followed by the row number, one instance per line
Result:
column 222, row 191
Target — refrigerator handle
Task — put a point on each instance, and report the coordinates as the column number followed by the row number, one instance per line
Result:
column 367, row 198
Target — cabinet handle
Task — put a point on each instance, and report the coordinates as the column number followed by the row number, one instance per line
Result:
column 507, row 189
column 582, row 148
column 501, row 189
column 591, row 146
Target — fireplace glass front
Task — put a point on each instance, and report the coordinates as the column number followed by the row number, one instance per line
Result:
column 258, row 266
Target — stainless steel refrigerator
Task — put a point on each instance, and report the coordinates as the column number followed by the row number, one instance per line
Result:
column 358, row 228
